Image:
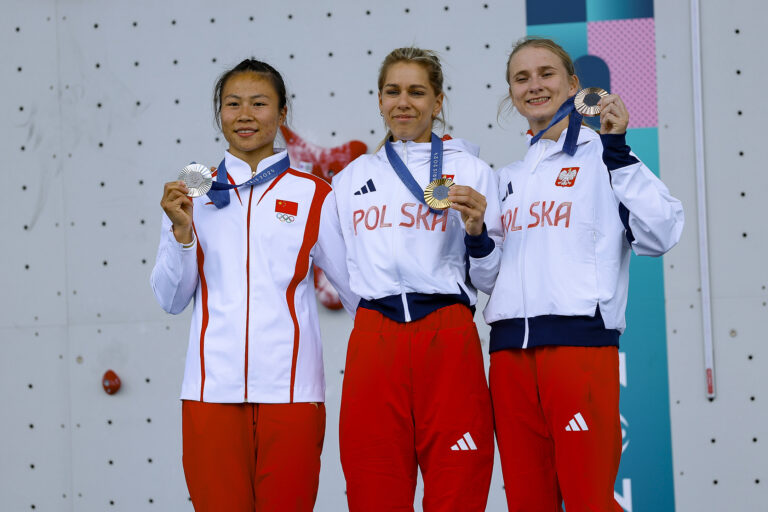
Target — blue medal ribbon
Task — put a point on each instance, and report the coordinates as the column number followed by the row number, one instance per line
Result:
column 435, row 169
column 220, row 188
column 574, row 125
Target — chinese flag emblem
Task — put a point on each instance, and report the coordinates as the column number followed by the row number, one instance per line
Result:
column 286, row 207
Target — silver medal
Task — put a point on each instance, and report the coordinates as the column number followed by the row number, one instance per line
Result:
column 197, row 178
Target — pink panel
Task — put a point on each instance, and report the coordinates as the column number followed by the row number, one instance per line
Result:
column 629, row 49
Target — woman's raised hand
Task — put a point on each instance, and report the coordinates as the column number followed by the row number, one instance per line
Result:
column 471, row 204
column 614, row 116
column 178, row 208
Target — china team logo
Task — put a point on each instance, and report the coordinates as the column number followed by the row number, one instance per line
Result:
column 286, row 211
column 567, row 176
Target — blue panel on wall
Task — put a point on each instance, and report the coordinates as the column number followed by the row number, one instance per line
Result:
column 644, row 403
column 645, row 144
column 593, row 72
column 600, row 10
column 555, row 11
column 571, row 36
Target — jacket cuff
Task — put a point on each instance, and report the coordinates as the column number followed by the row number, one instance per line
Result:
column 615, row 151
column 479, row 246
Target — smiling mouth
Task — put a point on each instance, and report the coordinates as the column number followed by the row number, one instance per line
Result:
column 538, row 101
column 245, row 132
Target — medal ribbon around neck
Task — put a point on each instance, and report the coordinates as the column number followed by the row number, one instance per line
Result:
column 574, row 124
column 219, row 192
column 435, row 169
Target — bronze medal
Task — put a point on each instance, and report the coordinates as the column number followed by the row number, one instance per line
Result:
column 586, row 101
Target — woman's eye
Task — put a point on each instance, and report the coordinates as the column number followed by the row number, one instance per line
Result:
column 232, row 104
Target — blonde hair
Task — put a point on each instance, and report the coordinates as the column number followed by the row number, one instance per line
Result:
column 428, row 60
column 535, row 42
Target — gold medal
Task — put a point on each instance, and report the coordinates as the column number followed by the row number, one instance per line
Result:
column 586, row 101
column 197, row 178
column 436, row 194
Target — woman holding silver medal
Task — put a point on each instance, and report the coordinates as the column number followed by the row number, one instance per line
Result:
column 253, row 417
column 415, row 393
column 572, row 210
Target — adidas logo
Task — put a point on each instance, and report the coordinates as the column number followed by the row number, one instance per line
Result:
column 465, row 443
column 576, row 424
column 368, row 187
column 508, row 193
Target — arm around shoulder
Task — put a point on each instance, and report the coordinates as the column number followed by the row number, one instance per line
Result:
column 484, row 250
column 331, row 253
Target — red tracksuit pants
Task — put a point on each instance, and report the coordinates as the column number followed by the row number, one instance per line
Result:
column 252, row 457
column 415, row 394
column 556, row 410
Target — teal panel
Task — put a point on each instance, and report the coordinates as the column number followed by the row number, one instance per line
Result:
column 571, row 36
column 645, row 400
column 601, row 10
column 645, row 144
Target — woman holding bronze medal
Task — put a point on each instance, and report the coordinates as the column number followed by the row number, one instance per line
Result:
column 572, row 210
column 415, row 393
column 253, row 417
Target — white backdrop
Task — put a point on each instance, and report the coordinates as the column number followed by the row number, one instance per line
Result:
column 104, row 101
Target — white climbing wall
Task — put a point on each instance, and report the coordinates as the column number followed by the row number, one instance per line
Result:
column 102, row 102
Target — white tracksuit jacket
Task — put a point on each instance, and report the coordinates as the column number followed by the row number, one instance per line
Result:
column 396, row 247
column 566, row 247
column 254, row 335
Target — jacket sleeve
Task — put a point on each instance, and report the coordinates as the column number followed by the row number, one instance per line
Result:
column 330, row 253
column 484, row 250
column 652, row 218
column 174, row 278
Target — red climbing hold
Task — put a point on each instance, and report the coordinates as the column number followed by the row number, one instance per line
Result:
column 111, row 382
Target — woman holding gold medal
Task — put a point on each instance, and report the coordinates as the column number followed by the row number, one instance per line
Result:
column 415, row 393
column 253, row 417
column 572, row 210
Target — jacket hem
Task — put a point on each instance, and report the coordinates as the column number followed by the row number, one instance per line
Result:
column 574, row 331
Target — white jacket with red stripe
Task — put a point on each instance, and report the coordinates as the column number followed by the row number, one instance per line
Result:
column 254, row 335
column 395, row 246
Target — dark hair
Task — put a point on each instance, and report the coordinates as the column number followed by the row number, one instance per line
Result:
column 252, row 66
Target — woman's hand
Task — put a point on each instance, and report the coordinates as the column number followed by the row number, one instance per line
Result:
column 614, row 116
column 471, row 204
column 178, row 208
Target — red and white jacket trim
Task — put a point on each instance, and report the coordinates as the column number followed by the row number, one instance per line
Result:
column 254, row 335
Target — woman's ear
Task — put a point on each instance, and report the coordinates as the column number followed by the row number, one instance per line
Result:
column 438, row 105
